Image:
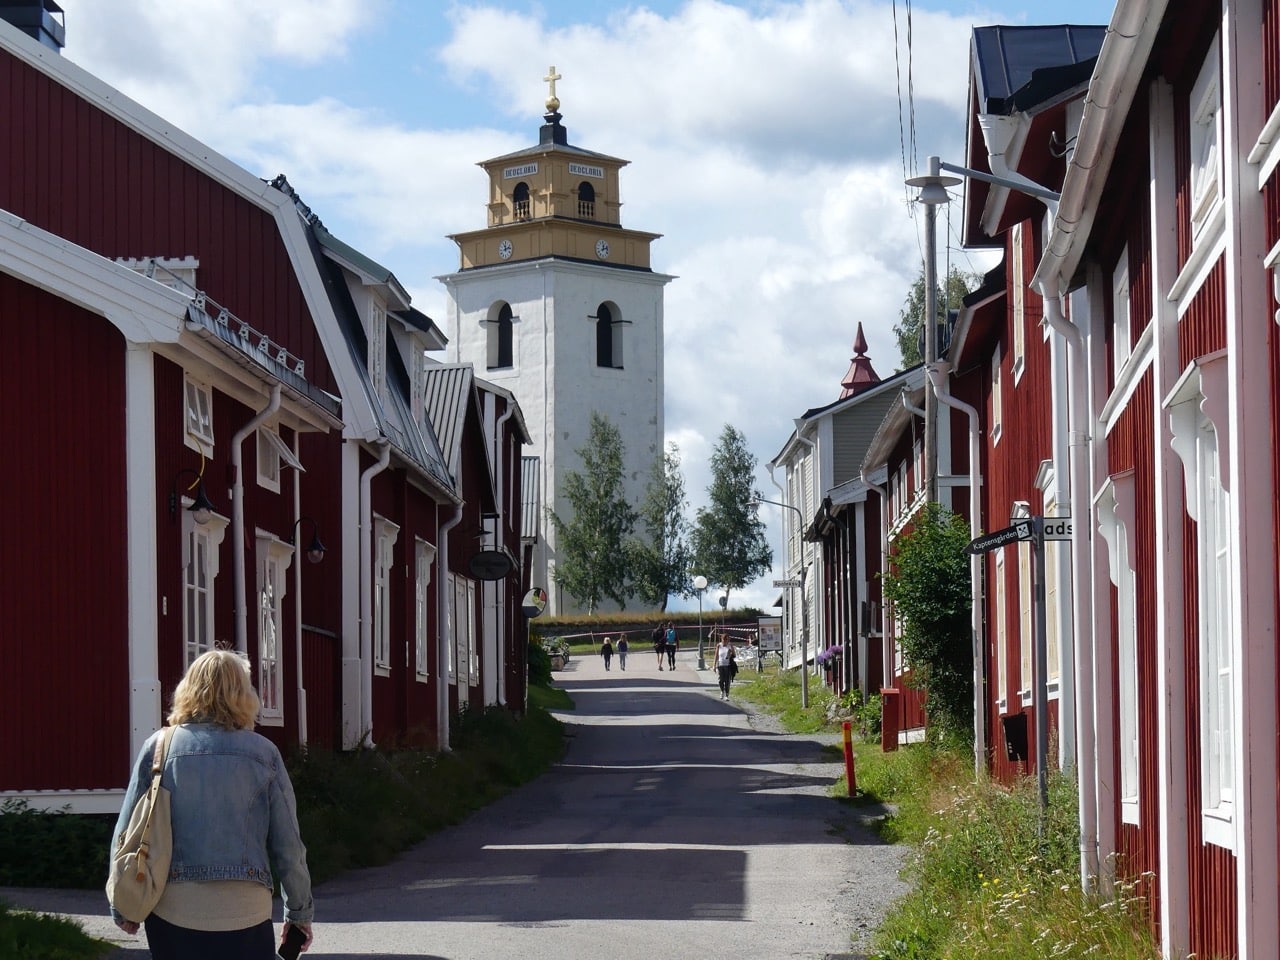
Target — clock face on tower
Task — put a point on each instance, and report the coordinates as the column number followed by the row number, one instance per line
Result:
column 504, row 249
column 602, row 249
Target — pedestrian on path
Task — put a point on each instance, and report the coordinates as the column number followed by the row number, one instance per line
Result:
column 234, row 820
column 672, row 644
column 606, row 651
column 660, row 644
column 622, row 652
column 726, row 664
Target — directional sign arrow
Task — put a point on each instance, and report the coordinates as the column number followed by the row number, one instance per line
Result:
column 998, row 538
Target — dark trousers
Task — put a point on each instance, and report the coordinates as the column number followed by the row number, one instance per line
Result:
column 726, row 678
column 170, row 942
column 671, row 655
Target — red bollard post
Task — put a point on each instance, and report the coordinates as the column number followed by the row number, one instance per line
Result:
column 851, row 778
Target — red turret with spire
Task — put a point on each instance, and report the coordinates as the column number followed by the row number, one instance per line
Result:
column 861, row 374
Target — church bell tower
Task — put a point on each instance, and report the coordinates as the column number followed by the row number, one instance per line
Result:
column 556, row 301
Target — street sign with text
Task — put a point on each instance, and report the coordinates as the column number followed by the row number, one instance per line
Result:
column 999, row 538
column 786, row 583
column 1057, row 528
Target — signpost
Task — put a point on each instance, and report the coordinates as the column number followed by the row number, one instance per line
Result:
column 1036, row 530
column 786, row 583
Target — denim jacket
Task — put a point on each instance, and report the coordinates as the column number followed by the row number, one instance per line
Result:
column 232, row 807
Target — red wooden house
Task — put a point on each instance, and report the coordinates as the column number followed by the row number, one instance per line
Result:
column 199, row 382
column 1151, row 411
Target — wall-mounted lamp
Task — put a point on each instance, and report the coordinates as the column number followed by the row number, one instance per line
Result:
column 315, row 552
column 201, row 507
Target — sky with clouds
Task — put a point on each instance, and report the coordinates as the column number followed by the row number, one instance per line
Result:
column 768, row 143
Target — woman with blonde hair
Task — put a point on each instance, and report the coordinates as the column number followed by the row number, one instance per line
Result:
column 234, row 815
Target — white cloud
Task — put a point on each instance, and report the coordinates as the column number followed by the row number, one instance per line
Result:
column 763, row 140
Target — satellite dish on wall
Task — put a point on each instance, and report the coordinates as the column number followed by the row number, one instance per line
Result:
column 490, row 565
column 535, row 601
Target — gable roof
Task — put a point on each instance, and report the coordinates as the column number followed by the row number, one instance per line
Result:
column 451, row 397
column 1016, row 68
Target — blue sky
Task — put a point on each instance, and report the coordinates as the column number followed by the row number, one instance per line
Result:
column 764, row 139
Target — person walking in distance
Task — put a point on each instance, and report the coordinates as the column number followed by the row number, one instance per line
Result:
column 672, row 644
column 606, row 651
column 235, row 823
column 622, row 652
column 726, row 664
column 660, row 644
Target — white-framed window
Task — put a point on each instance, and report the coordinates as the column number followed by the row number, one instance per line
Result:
column 451, row 626
column 997, row 399
column 272, row 586
column 1199, row 424
column 1019, row 294
column 1002, row 633
column 385, row 535
column 1026, row 624
column 1122, row 320
column 473, row 642
column 1054, row 613
column 198, row 416
column 273, row 455
column 378, row 349
column 424, row 557
column 200, row 543
column 1115, row 512
column 1206, row 140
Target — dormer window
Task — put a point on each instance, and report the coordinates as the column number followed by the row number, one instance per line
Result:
column 520, row 198
column 586, row 201
column 378, row 349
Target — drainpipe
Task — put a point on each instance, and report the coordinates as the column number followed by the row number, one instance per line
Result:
column 940, row 377
column 366, row 590
column 907, row 405
column 237, row 516
column 1089, row 772
column 442, row 629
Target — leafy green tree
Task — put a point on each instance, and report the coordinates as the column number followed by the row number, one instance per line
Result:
column 660, row 561
column 928, row 585
column 592, row 544
column 729, row 545
column 911, row 319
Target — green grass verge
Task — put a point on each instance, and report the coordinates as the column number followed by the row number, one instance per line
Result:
column 779, row 693
column 38, row 936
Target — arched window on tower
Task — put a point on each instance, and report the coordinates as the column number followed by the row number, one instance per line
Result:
column 586, row 200
column 500, row 353
column 520, row 197
column 609, row 327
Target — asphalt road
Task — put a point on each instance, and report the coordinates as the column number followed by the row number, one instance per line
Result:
column 677, row 825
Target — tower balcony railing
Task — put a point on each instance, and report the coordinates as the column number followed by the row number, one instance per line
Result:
column 587, row 209
column 523, row 210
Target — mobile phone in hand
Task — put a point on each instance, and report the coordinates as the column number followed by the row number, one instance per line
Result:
column 293, row 941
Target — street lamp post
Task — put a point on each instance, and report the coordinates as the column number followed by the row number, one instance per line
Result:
column 804, row 599
column 700, row 584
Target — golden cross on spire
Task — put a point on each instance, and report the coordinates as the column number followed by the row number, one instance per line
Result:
column 553, row 102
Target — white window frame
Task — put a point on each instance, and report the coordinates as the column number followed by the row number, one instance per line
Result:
column 451, row 620
column 385, row 534
column 1026, row 610
column 1122, row 315
column 378, row 349
column 424, row 557
column 1206, row 140
column 1002, row 634
column 272, row 587
column 1053, row 593
column 473, row 642
column 997, row 399
column 200, row 546
column 1019, row 298
column 1200, row 435
column 197, row 430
